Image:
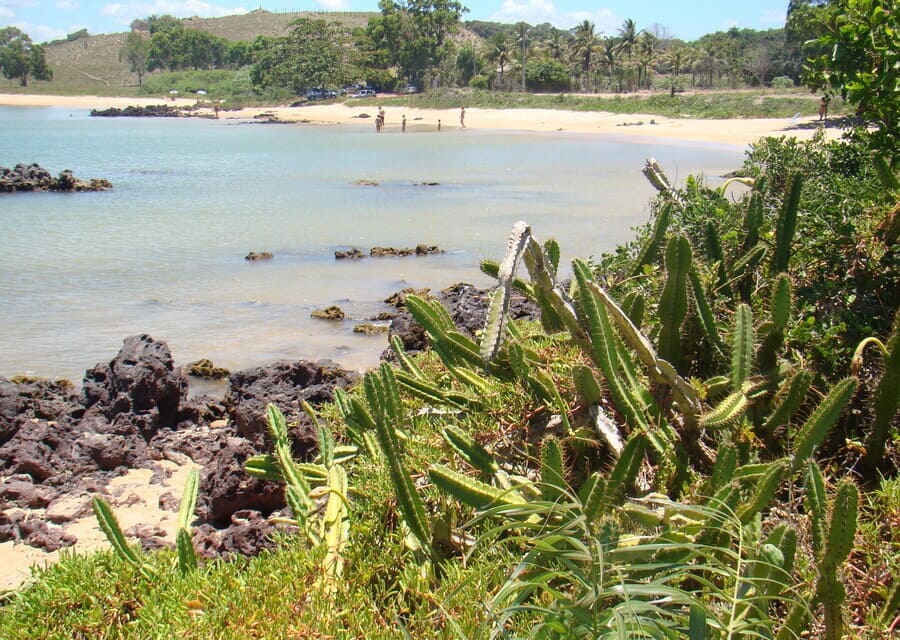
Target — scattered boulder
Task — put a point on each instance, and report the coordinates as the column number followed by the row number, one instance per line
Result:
column 398, row 299
column 33, row 177
column 33, row 531
column 383, row 316
column 333, row 312
column 206, row 370
column 424, row 250
column 365, row 182
column 369, row 329
column 380, row 252
column 353, row 254
column 253, row 256
column 285, row 384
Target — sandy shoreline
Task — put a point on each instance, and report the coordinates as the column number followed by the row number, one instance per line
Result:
column 735, row 131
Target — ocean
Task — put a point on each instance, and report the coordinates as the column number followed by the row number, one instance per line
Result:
column 163, row 252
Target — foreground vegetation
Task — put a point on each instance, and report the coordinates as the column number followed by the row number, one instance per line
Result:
column 677, row 449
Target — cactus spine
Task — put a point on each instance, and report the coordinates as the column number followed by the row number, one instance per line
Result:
column 816, row 427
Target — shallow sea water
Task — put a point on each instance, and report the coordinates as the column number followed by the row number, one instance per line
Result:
column 163, row 252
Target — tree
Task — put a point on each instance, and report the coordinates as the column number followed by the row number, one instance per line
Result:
column 585, row 43
column 313, row 54
column 134, row 52
column 499, row 51
column 20, row 58
column 414, row 35
column 546, row 75
column 857, row 54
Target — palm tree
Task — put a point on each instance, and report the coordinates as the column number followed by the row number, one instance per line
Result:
column 584, row 46
column 628, row 37
column 647, row 45
column 499, row 51
column 608, row 62
column 556, row 45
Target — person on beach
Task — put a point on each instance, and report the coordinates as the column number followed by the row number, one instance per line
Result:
column 823, row 108
column 379, row 119
column 439, row 125
column 462, row 117
column 403, row 123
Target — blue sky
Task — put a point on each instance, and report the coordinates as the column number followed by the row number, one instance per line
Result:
column 687, row 19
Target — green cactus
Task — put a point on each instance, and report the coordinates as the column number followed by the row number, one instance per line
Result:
column 624, row 473
column 727, row 412
column 816, row 503
column 704, row 311
column 633, row 304
column 497, row 313
column 715, row 256
column 838, row 542
column 673, row 300
column 407, row 363
column 586, row 385
column 335, row 528
column 187, row 557
column 297, row 490
column 470, row 491
column 113, row 532
column 723, row 470
column 650, row 251
column 553, row 471
column 741, row 347
column 592, row 495
column 470, row 451
column 786, row 225
column 773, row 337
column 384, row 390
column 886, row 401
column 763, row 492
column 788, row 401
column 818, row 424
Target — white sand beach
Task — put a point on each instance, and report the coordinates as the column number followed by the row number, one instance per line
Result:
column 742, row 131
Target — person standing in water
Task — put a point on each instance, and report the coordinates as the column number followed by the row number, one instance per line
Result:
column 403, row 123
column 462, row 117
column 379, row 119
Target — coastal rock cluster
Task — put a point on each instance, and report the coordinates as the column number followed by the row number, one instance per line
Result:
column 381, row 252
column 150, row 111
column 33, row 177
column 135, row 412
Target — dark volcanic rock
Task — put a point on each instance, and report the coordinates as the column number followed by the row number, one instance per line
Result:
column 149, row 111
column 21, row 490
column 225, row 487
column 467, row 307
column 353, row 254
column 254, row 256
column 24, row 400
column 33, row 532
column 33, row 177
column 140, row 385
column 285, row 384
column 248, row 534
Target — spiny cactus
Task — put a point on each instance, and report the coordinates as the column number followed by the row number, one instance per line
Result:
column 553, row 472
column 110, row 527
column 786, row 225
column 297, row 489
column 470, row 491
column 673, row 300
column 741, row 347
column 470, row 451
column 497, row 314
column 773, row 335
column 838, row 542
column 650, row 251
column 886, row 400
column 817, row 426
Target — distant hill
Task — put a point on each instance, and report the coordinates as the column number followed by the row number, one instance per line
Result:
column 91, row 65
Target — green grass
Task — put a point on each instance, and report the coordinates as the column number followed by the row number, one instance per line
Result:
column 718, row 104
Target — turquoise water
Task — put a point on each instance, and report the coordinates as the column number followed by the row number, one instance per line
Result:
column 163, row 252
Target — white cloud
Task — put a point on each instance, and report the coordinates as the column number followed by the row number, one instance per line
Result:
column 125, row 13
column 530, row 11
column 66, row 5
column 6, row 13
column 40, row 32
column 334, row 5
column 606, row 22
column 774, row 17
column 22, row 4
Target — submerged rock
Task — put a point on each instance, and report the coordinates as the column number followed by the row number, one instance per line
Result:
column 149, row 111
column 206, row 370
column 253, row 256
column 333, row 312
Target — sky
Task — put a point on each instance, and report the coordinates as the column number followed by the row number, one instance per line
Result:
column 45, row 20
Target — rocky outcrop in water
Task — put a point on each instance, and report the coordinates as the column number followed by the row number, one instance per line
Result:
column 33, row 177
column 150, row 111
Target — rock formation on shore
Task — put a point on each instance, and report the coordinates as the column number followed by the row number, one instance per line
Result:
column 58, row 447
column 33, row 177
